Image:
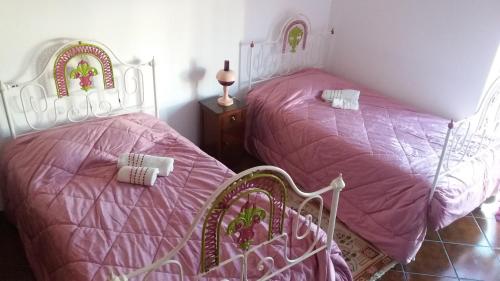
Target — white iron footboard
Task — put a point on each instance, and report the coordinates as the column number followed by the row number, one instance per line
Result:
column 273, row 183
column 470, row 138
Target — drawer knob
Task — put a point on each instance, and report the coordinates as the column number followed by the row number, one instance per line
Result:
column 233, row 117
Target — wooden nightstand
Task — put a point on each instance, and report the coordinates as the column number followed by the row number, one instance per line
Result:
column 223, row 129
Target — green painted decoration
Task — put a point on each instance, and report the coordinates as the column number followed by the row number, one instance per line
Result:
column 84, row 72
column 294, row 38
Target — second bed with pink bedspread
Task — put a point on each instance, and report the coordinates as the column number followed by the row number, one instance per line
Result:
column 387, row 152
column 78, row 223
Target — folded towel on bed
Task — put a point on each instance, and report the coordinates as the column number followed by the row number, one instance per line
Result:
column 345, row 99
column 165, row 165
column 138, row 175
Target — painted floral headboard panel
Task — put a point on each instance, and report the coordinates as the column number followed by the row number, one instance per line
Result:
column 295, row 34
column 241, row 227
column 84, row 71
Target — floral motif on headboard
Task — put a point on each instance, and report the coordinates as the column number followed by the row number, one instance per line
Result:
column 84, row 71
column 295, row 33
column 270, row 184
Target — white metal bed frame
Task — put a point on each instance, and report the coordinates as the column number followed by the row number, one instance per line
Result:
column 31, row 106
column 28, row 110
column 466, row 140
column 266, row 262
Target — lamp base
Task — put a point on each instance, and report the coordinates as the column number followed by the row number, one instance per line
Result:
column 225, row 101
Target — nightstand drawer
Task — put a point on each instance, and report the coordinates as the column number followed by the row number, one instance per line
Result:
column 223, row 129
column 232, row 147
column 229, row 140
column 233, row 119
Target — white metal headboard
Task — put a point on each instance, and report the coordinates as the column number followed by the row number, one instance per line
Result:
column 82, row 80
column 295, row 48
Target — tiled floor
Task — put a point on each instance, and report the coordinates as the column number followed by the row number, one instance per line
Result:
column 468, row 249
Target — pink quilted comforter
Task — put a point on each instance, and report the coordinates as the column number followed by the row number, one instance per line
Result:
column 78, row 223
column 387, row 152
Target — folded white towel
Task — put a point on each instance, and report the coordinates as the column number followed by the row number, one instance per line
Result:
column 164, row 164
column 138, row 175
column 345, row 99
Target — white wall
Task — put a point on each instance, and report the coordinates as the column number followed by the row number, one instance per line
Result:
column 189, row 38
column 433, row 54
column 263, row 18
column 180, row 34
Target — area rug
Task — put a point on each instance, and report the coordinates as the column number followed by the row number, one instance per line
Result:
column 366, row 262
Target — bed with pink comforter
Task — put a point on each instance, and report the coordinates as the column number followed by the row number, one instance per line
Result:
column 387, row 152
column 78, row 223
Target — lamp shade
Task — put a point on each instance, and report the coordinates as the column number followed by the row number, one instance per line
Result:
column 226, row 77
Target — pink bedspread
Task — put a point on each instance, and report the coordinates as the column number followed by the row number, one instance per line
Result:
column 387, row 152
column 78, row 223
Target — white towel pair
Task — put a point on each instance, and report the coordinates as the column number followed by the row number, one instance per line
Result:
column 138, row 175
column 143, row 169
column 344, row 99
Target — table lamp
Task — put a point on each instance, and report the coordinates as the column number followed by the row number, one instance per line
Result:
column 226, row 78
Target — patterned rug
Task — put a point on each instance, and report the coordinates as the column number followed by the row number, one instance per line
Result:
column 366, row 262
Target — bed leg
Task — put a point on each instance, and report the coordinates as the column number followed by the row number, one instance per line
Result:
column 338, row 184
column 252, row 45
column 441, row 160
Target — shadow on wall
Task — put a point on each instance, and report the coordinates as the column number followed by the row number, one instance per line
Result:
column 193, row 76
column 494, row 71
column 181, row 115
column 486, row 104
